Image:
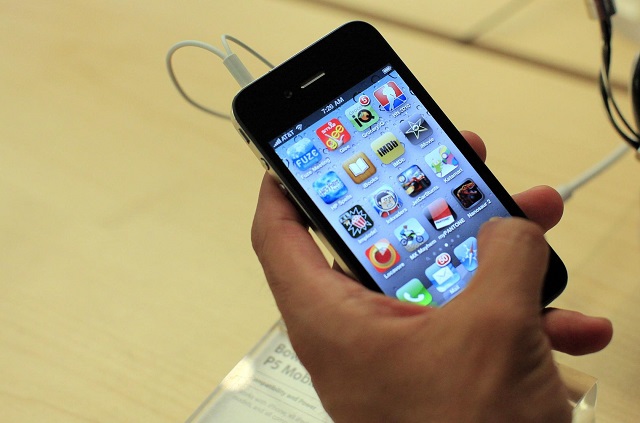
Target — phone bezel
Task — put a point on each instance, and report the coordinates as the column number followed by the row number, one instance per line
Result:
column 274, row 103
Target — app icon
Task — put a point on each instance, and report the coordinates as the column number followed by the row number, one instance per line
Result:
column 390, row 96
column 467, row 253
column 359, row 168
column 356, row 221
column 439, row 214
column 303, row 154
column 333, row 134
column 385, row 201
column 468, row 194
column 416, row 129
column 387, row 147
column 330, row 187
column 411, row 234
column 413, row 181
column 414, row 292
column 361, row 116
column 442, row 273
column 441, row 160
column 382, row 255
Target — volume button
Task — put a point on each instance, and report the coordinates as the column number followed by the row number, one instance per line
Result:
column 246, row 138
column 264, row 163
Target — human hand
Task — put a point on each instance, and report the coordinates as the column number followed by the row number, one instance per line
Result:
column 484, row 357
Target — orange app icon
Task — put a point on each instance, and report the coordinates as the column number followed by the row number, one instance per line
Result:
column 359, row 167
column 333, row 134
column 382, row 255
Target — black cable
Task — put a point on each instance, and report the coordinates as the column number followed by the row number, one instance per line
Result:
column 613, row 111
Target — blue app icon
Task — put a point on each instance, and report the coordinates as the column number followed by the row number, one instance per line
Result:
column 330, row 187
column 442, row 274
column 467, row 253
column 303, row 154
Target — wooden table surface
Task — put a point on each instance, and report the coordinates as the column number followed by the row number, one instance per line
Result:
column 128, row 287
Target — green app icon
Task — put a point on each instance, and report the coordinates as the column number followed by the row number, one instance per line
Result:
column 414, row 292
column 361, row 116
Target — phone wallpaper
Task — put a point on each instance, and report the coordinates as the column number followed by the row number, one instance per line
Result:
column 395, row 187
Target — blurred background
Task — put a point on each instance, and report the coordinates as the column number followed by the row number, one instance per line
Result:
column 128, row 286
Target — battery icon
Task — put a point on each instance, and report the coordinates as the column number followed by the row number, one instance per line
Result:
column 387, row 69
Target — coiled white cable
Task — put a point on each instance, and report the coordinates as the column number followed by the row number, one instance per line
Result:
column 229, row 59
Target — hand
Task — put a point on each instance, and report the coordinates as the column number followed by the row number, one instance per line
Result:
column 485, row 357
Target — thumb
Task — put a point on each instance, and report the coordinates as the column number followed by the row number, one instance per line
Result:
column 512, row 262
column 298, row 273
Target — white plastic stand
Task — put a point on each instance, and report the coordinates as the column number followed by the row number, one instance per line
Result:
column 270, row 385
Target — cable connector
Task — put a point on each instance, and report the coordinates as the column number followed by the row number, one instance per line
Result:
column 238, row 70
column 601, row 9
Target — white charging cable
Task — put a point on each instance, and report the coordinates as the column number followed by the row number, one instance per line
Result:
column 231, row 61
column 567, row 190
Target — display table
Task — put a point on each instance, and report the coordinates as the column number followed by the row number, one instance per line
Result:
column 129, row 285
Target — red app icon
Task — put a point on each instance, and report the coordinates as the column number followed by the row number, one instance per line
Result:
column 333, row 134
column 390, row 96
column 382, row 255
column 439, row 214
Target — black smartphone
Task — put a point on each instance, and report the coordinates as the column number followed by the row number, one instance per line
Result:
column 380, row 172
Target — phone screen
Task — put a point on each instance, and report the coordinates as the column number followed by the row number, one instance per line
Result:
column 394, row 187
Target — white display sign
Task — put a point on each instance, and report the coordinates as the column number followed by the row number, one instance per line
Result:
column 268, row 385
column 271, row 385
